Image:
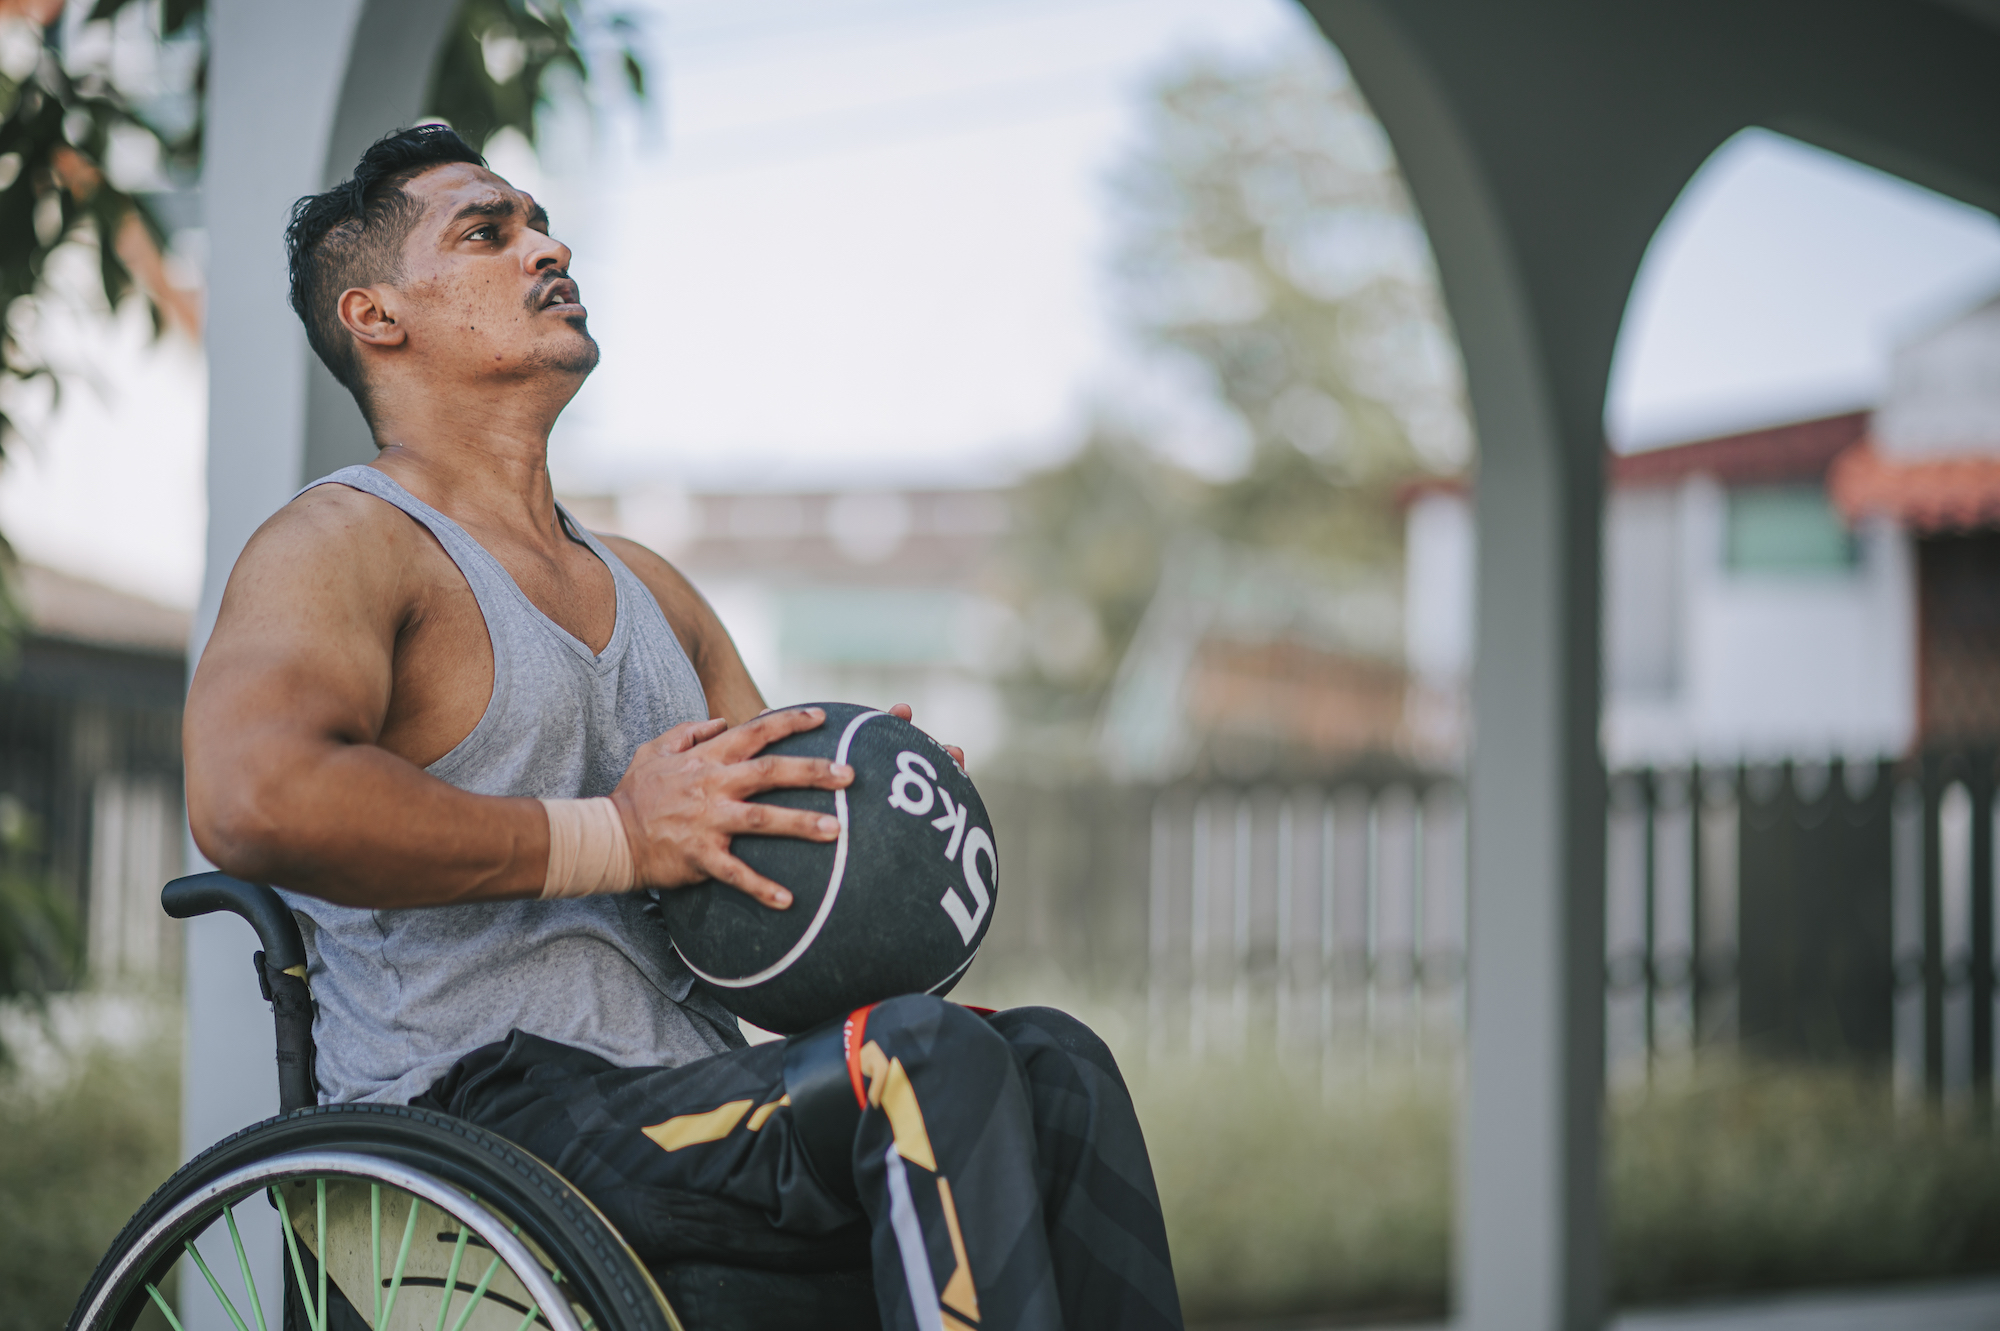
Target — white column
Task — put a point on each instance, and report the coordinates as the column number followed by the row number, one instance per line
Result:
column 283, row 108
column 1529, row 1180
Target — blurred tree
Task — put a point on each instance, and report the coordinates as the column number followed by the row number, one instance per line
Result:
column 99, row 112
column 41, row 946
column 1264, row 236
column 87, row 132
column 1268, row 235
column 1082, row 563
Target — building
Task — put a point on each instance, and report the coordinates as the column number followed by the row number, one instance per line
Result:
column 1819, row 589
column 875, row 597
column 90, row 764
column 1930, row 468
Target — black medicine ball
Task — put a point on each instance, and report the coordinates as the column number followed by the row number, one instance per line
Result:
column 898, row 905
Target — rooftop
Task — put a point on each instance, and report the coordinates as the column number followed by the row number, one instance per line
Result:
column 67, row 608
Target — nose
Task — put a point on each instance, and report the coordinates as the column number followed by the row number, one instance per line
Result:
column 546, row 252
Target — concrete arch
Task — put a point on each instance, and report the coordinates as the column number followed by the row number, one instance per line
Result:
column 1544, row 141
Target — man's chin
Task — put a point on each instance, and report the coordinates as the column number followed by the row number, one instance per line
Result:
column 576, row 354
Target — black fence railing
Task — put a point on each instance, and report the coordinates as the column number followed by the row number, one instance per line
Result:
column 1839, row 911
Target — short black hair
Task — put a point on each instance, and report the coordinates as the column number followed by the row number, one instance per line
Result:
column 352, row 236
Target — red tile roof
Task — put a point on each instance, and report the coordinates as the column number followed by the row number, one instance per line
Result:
column 1926, row 495
column 1781, row 454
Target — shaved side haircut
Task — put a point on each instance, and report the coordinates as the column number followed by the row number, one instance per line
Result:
column 353, row 235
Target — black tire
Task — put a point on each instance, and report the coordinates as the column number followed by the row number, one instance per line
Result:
column 508, row 1182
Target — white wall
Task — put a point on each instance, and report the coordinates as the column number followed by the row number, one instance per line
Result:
column 1700, row 661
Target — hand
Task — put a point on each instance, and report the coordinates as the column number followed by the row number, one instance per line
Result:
column 687, row 793
column 902, row 709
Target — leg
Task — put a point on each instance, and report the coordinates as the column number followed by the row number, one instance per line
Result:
column 1008, row 1163
column 1106, row 1235
column 691, row 1163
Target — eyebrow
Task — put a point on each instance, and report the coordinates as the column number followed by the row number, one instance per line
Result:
column 498, row 206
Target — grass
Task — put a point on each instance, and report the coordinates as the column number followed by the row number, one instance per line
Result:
column 1741, row 1177
column 88, row 1129
column 1735, row 1178
column 1281, row 1201
column 1278, row 1204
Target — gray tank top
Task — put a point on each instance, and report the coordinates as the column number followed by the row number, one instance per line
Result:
column 403, row 994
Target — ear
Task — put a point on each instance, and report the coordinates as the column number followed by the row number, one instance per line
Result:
column 367, row 314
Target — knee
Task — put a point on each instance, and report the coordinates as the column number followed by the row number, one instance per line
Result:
column 1029, row 1028
column 924, row 1028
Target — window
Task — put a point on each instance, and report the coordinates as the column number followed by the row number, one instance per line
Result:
column 1787, row 529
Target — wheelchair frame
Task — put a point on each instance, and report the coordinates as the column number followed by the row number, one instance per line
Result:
column 324, row 1156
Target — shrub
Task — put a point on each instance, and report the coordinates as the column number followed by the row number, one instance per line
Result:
column 84, row 1138
column 1738, row 1177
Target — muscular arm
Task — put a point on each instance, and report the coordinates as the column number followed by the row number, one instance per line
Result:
column 286, row 782
column 732, row 694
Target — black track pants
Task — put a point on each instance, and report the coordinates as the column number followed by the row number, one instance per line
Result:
column 1002, row 1179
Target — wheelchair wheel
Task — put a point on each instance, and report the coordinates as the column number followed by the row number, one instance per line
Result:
column 391, row 1217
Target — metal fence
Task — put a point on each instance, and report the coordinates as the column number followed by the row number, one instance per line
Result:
column 1838, row 911
column 1325, row 917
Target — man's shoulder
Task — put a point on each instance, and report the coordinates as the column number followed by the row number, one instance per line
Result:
column 333, row 536
column 336, row 518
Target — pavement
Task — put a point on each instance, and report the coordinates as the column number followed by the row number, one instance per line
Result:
column 1972, row 1305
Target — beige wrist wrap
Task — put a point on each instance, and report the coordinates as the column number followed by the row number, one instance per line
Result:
column 588, row 850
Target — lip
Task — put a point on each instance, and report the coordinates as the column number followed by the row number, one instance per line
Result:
column 562, row 295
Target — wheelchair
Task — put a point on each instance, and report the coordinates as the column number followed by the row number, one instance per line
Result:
column 397, row 1217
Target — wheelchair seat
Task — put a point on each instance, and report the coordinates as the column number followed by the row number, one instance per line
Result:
column 396, row 1216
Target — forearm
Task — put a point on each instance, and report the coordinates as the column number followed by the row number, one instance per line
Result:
column 358, row 826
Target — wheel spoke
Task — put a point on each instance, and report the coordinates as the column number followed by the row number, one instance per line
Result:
column 402, row 1256
column 298, row 1267
column 375, row 1244
column 451, row 1275
column 167, row 1309
column 243, row 1265
column 533, row 1313
column 216, row 1285
column 478, row 1293
column 321, row 1232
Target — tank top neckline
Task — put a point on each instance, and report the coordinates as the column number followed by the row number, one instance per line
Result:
column 613, row 646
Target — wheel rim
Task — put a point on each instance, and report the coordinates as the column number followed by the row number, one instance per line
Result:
column 178, row 1229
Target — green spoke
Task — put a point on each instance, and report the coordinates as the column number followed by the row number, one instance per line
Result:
column 478, row 1293
column 216, row 1285
column 292, row 1246
column 533, row 1313
column 166, row 1309
column 451, row 1276
column 402, row 1256
column 243, row 1265
column 321, row 1234
column 375, row 1244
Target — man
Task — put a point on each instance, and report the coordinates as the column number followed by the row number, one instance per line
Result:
column 461, row 731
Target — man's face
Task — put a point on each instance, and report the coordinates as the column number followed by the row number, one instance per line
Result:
column 485, row 291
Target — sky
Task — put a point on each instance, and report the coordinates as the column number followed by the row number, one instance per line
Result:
column 1777, row 286
column 865, row 237
column 861, row 243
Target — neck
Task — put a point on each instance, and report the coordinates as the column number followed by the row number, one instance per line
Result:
column 483, row 454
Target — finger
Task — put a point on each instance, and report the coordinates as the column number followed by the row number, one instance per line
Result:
column 772, row 772
column 957, row 755
column 690, row 733
column 902, row 710
column 751, row 737
column 776, row 820
column 726, row 868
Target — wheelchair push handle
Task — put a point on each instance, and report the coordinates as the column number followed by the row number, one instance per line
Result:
column 263, row 909
column 281, row 968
